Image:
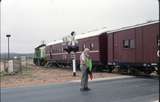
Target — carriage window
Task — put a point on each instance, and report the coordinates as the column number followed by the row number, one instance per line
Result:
column 59, row 50
column 125, row 43
column 62, row 49
column 55, row 50
column 91, row 46
column 132, row 44
column 52, row 50
column 128, row 44
column 84, row 46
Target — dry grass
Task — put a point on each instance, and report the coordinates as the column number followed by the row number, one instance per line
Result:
column 41, row 76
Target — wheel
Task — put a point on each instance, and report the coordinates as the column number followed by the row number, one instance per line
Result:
column 129, row 71
column 110, row 69
column 116, row 69
column 158, row 72
column 148, row 72
column 132, row 71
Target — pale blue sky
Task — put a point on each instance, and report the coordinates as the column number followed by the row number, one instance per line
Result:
column 31, row 21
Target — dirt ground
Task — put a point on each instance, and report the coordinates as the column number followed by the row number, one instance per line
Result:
column 40, row 76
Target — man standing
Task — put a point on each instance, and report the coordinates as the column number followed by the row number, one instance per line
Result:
column 83, row 66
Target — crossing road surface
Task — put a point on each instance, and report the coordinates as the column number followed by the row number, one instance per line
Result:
column 133, row 89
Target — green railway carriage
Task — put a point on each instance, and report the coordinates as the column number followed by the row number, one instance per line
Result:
column 39, row 55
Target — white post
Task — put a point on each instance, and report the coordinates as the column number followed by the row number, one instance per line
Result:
column 10, row 66
column 74, row 64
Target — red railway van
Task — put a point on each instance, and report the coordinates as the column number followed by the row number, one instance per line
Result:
column 134, row 46
column 95, row 41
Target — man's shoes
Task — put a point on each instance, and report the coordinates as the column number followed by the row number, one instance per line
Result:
column 85, row 89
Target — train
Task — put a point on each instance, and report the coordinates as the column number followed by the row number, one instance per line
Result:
column 128, row 48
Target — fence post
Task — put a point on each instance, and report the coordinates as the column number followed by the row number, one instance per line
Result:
column 2, row 66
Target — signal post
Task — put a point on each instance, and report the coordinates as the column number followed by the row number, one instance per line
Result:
column 71, row 46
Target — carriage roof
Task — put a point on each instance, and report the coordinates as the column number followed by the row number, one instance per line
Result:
column 99, row 32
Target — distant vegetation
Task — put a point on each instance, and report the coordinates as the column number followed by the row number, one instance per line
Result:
column 12, row 55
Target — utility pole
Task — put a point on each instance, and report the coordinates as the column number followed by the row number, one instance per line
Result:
column 8, row 36
column 159, row 45
column 158, row 52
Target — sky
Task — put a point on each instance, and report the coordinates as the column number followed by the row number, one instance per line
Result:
column 31, row 21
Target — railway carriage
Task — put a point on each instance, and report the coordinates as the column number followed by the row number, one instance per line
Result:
column 93, row 40
column 134, row 47
column 128, row 48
